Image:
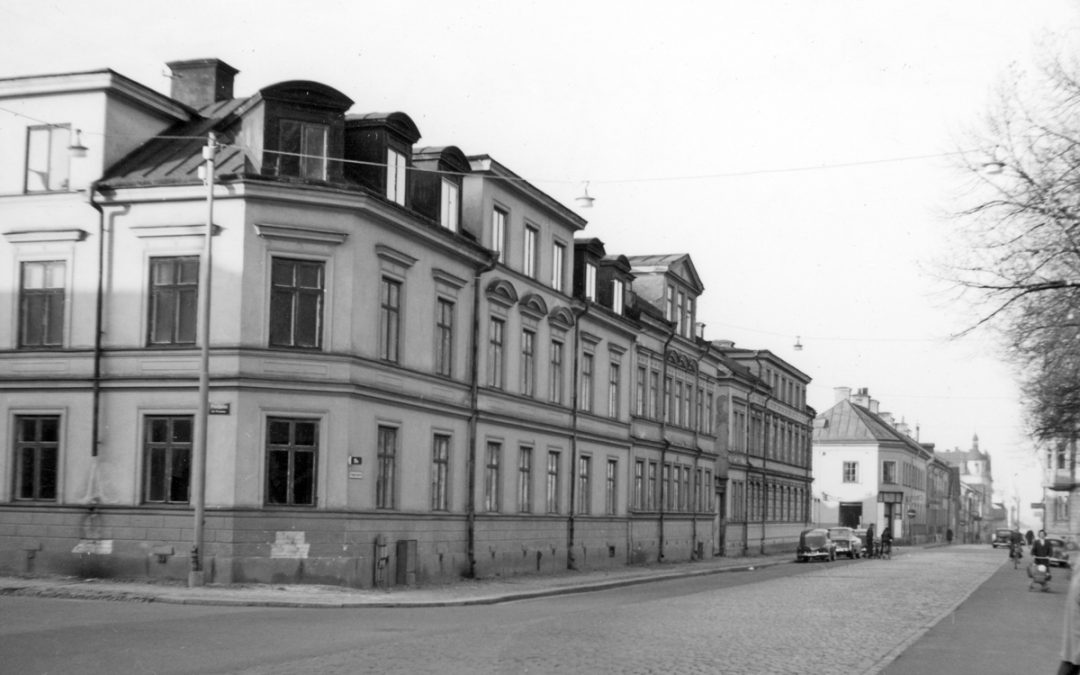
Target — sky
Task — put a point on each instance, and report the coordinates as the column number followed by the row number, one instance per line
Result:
column 798, row 150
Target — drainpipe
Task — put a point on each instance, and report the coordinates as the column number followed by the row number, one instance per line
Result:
column 474, row 414
column 697, row 455
column 99, row 300
column 764, row 456
column 666, row 444
column 579, row 314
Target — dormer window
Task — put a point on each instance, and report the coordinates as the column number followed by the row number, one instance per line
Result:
column 618, row 292
column 47, row 158
column 450, row 205
column 396, row 164
column 302, row 149
column 590, row 282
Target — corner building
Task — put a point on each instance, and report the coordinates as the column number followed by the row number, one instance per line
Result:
column 416, row 371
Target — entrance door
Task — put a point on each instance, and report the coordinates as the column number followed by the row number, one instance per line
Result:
column 850, row 514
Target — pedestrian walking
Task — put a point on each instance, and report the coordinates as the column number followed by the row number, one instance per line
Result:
column 886, row 542
column 1030, row 536
column 1040, row 549
column 870, row 541
column 1070, row 635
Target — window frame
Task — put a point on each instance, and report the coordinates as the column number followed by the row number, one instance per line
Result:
column 558, row 265
column 311, row 163
column 440, row 471
column 296, row 297
column 170, row 448
column 525, row 453
column 177, row 290
column 52, row 336
column 387, row 450
column 397, row 164
column 497, row 352
column 557, row 372
column 293, row 449
column 391, row 290
column 444, row 336
column 551, row 482
column 56, row 152
column 500, row 223
column 492, row 476
column 449, row 204
column 531, row 253
column 584, row 486
column 42, row 453
column 528, row 362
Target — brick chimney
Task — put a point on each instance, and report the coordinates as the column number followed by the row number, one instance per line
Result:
column 862, row 397
column 841, row 394
column 201, row 82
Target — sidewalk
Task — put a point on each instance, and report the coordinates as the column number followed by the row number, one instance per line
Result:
column 461, row 593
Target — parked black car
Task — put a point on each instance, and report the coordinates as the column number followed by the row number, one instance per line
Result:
column 1003, row 537
column 815, row 544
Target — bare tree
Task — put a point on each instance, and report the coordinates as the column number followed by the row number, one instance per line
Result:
column 1021, row 226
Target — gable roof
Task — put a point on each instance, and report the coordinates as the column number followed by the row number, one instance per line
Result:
column 848, row 422
column 677, row 264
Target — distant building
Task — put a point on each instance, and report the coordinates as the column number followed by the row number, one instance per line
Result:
column 869, row 470
column 976, row 474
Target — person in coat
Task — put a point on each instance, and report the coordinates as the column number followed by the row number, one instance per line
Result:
column 1041, row 550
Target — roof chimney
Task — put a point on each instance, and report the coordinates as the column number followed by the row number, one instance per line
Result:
column 862, row 397
column 201, row 82
column 841, row 394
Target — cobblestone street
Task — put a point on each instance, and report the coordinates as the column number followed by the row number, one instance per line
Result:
column 832, row 618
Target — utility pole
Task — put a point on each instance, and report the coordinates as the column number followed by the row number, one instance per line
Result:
column 196, row 575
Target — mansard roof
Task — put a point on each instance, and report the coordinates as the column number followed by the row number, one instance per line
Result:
column 175, row 155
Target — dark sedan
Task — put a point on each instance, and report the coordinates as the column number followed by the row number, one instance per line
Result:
column 815, row 544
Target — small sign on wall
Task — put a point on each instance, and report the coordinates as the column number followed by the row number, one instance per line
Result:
column 220, row 408
column 355, row 470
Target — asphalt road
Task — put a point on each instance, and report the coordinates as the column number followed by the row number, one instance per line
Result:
column 852, row 617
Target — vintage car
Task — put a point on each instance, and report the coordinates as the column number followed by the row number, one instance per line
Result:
column 1059, row 552
column 815, row 544
column 1003, row 537
column 846, row 541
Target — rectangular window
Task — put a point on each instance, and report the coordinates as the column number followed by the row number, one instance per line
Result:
column 551, row 486
column 680, row 316
column 495, row 353
column 302, row 150
column 677, row 413
column 386, row 471
column 525, row 479
column 613, row 390
column 665, row 484
column 669, row 307
column 618, row 294
column 652, row 495
column 639, row 483
column 641, row 388
column 396, row 165
column 41, row 304
column 37, row 448
column 590, row 282
column 851, row 472
column 708, row 423
column 654, row 393
column 296, row 303
column 532, row 239
column 390, row 320
column 610, row 493
column 167, row 443
column 584, row 495
column 440, row 472
column 888, row 472
column 558, row 265
column 528, row 363
column 491, row 477
column 291, row 449
column 450, row 208
column 174, row 300
column 499, row 220
column 667, row 399
column 444, row 337
column 556, row 375
column 48, row 160
column 586, row 383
